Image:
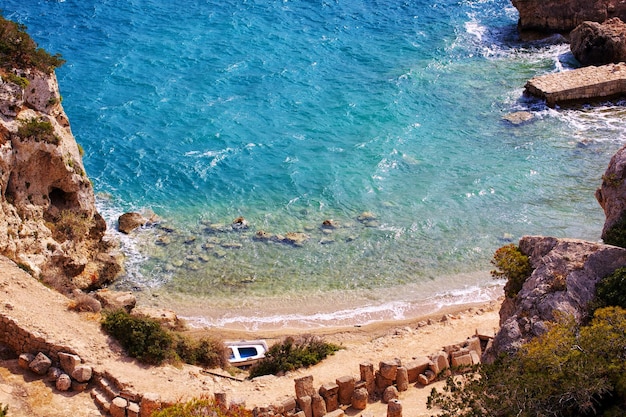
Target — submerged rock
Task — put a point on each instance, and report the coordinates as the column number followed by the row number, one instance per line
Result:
column 128, row 222
column 239, row 224
column 518, row 117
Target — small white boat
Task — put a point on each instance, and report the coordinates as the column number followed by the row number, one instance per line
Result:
column 246, row 352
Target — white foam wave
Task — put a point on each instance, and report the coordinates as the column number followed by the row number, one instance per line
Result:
column 360, row 316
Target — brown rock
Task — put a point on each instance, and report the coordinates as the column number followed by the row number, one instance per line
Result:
column 402, row 379
column 611, row 193
column 40, row 364
column 128, row 222
column 318, row 406
column 367, row 375
column 63, row 382
column 391, row 393
column 25, row 359
column 360, row 399
column 564, row 15
column 150, row 402
column 118, row 407
column 416, row 367
column 69, row 362
column 116, row 300
column 346, row 389
column 595, row 43
column 330, row 393
column 388, row 369
column 82, row 373
column 304, row 386
column 394, row 408
column 166, row 317
column 306, row 405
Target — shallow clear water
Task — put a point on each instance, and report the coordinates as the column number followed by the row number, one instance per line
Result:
column 294, row 112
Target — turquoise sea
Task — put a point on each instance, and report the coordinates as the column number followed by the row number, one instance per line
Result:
column 293, row 112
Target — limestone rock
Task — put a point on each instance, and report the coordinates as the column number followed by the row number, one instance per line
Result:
column 128, row 222
column 611, row 194
column 64, row 382
column 48, row 218
column 564, row 277
column 562, row 16
column 24, row 360
column 115, row 300
column 69, row 362
column 40, row 364
column 360, row 398
column 595, row 43
column 82, row 373
column 390, row 393
column 518, row 117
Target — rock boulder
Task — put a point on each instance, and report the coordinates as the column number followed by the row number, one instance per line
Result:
column 563, row 281
column 595, row 43
column 612, row 193
column 562, row 16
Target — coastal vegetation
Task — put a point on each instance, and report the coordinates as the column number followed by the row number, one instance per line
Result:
column 19, row 50
column 4, row 409
column 37, row 130
column 570, row 370
column 146, row 340
column 292, row 354
column 202, row 407
column 512, row 265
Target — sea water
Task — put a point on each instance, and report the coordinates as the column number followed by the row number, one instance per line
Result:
column 295, row 112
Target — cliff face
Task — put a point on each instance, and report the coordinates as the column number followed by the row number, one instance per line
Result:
column 49, row 224
column 563, row 281
column 564, row 15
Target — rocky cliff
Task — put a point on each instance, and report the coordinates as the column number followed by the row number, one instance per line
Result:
column 564, row 15
column 49, row 224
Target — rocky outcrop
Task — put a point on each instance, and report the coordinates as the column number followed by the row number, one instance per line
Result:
column 595, row 43
column 612, row 193
column 564, row 15
column 49, row 224
column 563, row 282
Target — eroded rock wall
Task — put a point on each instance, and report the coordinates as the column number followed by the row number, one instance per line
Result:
column 564, row 15
column 48, row 220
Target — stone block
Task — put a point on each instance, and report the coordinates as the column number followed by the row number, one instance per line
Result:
column 382, row 383
column 461, row 361
column 304, row 386
column 69, row 361
column 360, row 399
column 79, row 386
column 53, row 374
column 330, row 394
column 318, row 406
column 288, row 405
column 305, row 404
column 439, row 362
column 473, row 343
column 388, row 369
column 346, row 389
column 390, row 393
column 367, row 375
column 40, row 364
column 416, row 367
column 402, row 379
column 394, row 408
column 118, row 407
column 82, row 373
column 475, row 357
column 132, row 410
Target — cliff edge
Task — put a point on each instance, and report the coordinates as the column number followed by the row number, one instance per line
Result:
column 49, row 224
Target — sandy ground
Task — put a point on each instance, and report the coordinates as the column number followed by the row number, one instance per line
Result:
column 45, row 312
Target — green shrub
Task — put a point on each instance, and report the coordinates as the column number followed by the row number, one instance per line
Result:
column 19, row 50
column 568, row 371
column 4, row 409
column 145, row 339
column 206, row 352
column 15, row 79
column 616, row 234
column 142, row 337
column 38, row 130
column 293, row 354
column 611, row 290
column 513, row 265
column 202, row 407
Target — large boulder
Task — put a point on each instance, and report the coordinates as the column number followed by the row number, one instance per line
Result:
column 612, row 196
column 563, row 282
column 595, row 43
column 562, row 16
